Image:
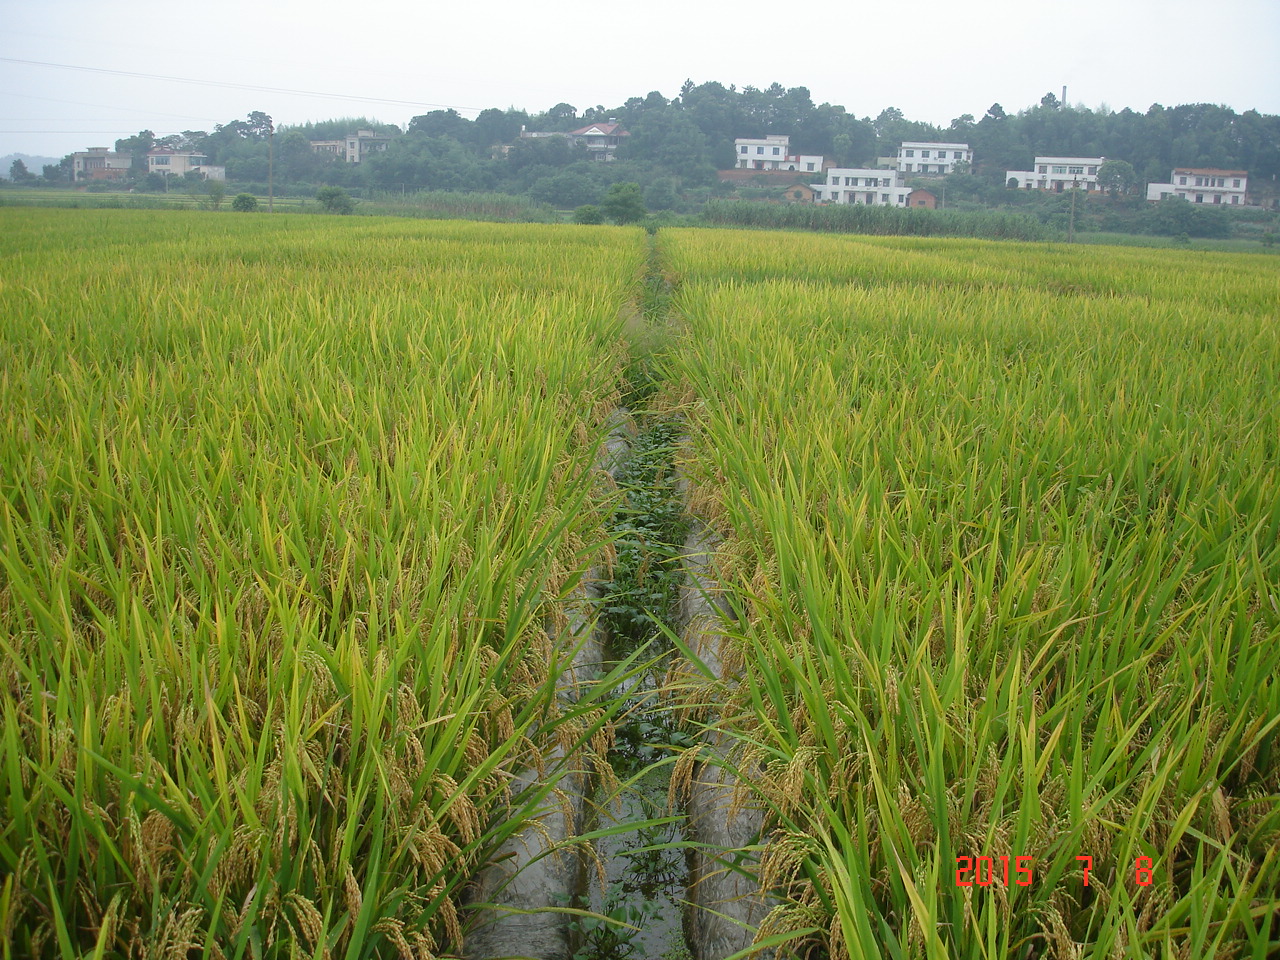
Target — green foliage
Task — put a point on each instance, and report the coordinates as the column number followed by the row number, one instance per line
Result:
column 216, row 191
column 335, row 200
column 858, row 218
column 650, row 527
column 244, row 203
column 1175, row 215
column 624, row 203
column 1117, row 177
column 588, row 213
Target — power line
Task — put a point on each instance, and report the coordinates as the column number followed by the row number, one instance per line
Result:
column 238, row 86
column 104, row 106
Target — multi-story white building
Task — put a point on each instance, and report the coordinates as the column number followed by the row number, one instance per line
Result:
column 100, row 163
column 176, row 163
column 876, row 188
column 1203, row 185
column 773, row 153
column 932, row 159
column 1058, row 174
column 364, row 142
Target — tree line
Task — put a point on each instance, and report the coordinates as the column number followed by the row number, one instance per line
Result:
column 676, row 145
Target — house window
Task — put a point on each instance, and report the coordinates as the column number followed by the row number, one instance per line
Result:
column 1042, row 169
column 1235, row 199
column 908, row 168
column 1236, row 184
column 1182, row 181
column 884, row 198
column 955, row 155
column 776, row 151
column 1059, row 169
column 924, row 154
column 911, row 153
column 1217, row 198
column 810, row 166
column 160, row 161
column 1199, row 198
column 759, row 149
column 742, row 149
column 1076, row 170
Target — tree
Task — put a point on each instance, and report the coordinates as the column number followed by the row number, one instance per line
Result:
column 1117, row 177
column 137, row 146
column 588, row 213
column 335, row 200
column 244, row 203
column 216, row 190
column 624, row 203
column 19, row 173
column 1050, row 101
column 441, row 123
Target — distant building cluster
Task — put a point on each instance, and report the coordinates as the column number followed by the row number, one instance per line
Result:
column 760, row 161
column 354, row 147
column 601, row 140
column 102, row 163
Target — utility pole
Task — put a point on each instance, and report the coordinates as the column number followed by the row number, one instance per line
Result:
column 271, row 151
column 1071, row 230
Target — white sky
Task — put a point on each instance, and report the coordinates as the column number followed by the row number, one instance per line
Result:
column 934, row 59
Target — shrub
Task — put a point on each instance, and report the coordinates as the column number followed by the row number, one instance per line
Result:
column 588, row 213
column 244, row 203
column 335, row 200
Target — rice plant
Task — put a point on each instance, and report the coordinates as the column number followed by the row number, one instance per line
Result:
column 289, row 513
column 1003, row 537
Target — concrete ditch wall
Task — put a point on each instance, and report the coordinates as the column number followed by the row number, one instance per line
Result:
column 728, row 906
column 528, row 872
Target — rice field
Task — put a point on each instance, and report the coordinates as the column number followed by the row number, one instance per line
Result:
column 1003, row 540
column 288, row 514
column 294, row 510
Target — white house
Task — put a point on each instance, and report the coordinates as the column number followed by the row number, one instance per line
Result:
column 772, row 153
column 176, row 163
column 100, row 163
column 364, row 142
column 932, row 159
column 876, row 188
column 1058, row 174
column 1203, row 185
column 601, row 139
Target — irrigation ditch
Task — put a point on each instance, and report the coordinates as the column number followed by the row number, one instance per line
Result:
column 614, row 867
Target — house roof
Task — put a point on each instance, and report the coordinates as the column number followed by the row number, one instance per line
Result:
column 600, row 130
column 1212, row 171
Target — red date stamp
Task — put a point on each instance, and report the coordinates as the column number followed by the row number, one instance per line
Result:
column 1020, row 871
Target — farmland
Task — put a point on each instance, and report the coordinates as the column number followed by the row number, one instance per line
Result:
column 294, row 512
column 1002, row 533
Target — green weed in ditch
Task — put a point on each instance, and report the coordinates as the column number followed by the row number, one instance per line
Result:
column 650, row 527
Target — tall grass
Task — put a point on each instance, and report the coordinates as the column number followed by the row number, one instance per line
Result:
column 289, row 510
column 1004, row 538
column 860, row 218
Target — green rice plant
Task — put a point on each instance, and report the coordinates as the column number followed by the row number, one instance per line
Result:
column 290, row 513
column 1003, row 540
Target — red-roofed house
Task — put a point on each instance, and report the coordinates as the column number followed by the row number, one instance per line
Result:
column 600, row 139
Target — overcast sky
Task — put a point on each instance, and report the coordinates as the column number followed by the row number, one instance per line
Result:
column 934, row 59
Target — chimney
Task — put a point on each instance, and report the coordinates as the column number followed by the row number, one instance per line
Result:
column 1064, row 94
